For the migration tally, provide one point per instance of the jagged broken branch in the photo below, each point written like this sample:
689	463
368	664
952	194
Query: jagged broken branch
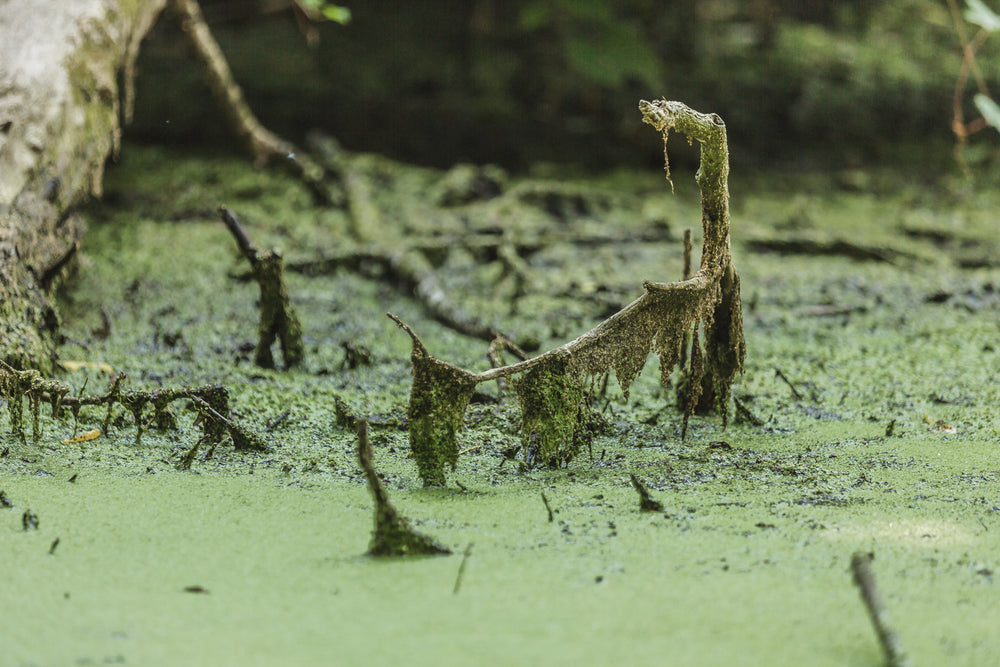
550	387
278	320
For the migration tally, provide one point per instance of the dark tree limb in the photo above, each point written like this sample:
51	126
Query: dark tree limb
263	145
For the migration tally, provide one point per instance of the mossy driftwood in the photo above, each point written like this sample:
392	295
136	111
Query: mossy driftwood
278	320
210	401
702	312
66	72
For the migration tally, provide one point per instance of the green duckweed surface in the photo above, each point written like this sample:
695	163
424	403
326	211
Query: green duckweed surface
875	380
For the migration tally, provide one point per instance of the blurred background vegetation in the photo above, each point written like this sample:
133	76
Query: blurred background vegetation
825	83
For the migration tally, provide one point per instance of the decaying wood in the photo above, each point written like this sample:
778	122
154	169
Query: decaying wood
278	320
262	144
392	535
61	62
550	386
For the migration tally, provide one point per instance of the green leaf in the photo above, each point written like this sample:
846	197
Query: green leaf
336	13
317	9
989	109
981	15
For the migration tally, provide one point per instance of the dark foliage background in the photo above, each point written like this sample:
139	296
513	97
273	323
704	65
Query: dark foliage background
436	82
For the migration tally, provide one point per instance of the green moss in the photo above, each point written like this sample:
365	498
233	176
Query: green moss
438	399
551	399
278	320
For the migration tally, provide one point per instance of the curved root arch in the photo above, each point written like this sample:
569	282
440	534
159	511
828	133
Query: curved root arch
550	386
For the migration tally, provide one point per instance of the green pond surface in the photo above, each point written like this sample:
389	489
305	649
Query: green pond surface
872	366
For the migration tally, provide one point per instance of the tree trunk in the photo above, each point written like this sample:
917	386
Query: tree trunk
66	70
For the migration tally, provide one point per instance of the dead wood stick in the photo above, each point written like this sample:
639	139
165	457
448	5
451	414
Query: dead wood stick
365	215
646	501
262	144
392	535
895	656
278	320
246	246
461	569
781	376
548	508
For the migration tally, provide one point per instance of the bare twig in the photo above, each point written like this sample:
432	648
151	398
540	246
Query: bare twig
781	376
895	656
392	535
461	569
548	508
745	412
262	144
646	502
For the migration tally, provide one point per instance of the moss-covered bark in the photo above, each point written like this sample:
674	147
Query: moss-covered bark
60	119
550	388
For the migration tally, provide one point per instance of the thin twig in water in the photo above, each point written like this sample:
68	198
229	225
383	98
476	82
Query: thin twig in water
392	535
895	656
548	507
646	502
781	376
461	569
744	411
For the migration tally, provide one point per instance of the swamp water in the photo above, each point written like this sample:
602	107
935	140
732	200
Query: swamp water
872	362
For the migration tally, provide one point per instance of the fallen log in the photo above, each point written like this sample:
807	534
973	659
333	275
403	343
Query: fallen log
66	73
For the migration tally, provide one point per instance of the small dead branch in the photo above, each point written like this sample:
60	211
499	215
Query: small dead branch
413	274
646	502
895	656
461	569
278	320
744	412
365	215
548	508
392	535
835	247
781	376
262	145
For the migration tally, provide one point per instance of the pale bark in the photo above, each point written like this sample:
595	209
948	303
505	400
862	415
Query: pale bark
66	70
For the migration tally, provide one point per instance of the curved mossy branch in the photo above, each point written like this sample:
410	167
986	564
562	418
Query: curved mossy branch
551	390
712	176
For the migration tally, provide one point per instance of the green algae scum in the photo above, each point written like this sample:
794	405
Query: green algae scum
868	424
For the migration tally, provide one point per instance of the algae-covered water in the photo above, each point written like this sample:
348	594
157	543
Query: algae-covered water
871	313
